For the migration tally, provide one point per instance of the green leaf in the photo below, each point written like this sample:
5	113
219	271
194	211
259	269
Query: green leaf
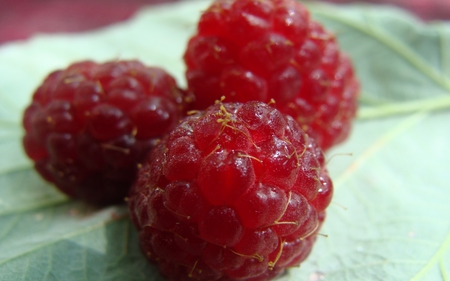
403	64
389	219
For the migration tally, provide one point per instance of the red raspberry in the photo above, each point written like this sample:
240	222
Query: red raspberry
89	126
271	49
235	192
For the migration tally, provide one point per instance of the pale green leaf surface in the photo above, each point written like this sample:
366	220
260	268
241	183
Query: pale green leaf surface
390	217
398	57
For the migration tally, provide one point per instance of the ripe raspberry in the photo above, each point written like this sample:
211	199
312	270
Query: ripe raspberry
89	126
271	49
235	192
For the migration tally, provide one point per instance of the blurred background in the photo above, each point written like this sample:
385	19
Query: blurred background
20	19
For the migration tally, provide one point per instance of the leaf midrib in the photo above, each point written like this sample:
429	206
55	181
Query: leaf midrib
411	121
397	46
69	235
378	144
398	108
437	257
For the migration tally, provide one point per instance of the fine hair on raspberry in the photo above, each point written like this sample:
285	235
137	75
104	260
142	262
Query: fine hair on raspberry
88	126
237	191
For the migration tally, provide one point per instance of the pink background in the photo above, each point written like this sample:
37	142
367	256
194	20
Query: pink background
19	19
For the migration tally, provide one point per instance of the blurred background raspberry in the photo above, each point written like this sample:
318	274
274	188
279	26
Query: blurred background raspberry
20	19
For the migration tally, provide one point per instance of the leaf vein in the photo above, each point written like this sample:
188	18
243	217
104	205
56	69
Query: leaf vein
377	263
444	274
398	47
9	124
403	239
386	110
437	257
39	205
445	54
64	237
10	227
50	264
378	144
15	169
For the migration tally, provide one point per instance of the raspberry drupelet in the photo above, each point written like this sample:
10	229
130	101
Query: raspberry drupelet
235	192
89	125
271	49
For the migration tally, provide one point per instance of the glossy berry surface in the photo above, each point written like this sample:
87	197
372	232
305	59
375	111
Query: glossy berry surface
235	192
89	125
271	49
